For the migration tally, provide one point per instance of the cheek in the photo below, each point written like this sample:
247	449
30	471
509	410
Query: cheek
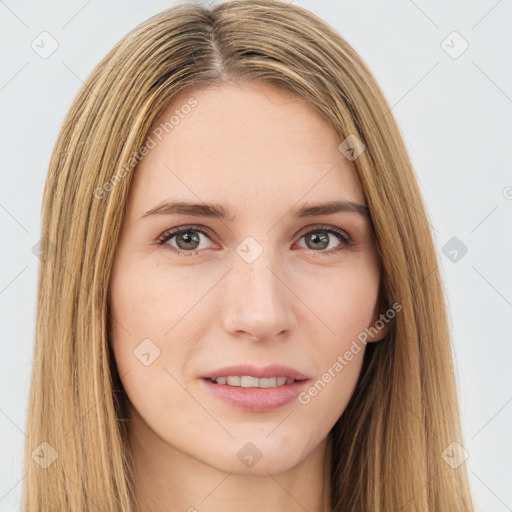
143	310
339	356
153	307
345	304
137	315
145	298
325	399
342	300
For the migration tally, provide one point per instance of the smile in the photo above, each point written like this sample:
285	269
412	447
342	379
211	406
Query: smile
247	381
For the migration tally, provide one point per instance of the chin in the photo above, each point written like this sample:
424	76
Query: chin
257	455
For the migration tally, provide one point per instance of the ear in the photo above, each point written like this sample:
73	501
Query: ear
381	323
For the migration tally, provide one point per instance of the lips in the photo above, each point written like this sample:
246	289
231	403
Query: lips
246	381
256	399
274	370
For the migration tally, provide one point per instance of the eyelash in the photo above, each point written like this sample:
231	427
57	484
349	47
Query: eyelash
342	236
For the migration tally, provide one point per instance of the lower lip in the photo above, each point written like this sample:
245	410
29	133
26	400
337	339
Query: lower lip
256	399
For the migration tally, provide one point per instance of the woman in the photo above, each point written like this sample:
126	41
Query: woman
240	305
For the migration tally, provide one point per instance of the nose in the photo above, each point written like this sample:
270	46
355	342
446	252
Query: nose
258	301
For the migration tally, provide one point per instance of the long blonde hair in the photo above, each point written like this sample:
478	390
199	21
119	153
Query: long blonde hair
387	451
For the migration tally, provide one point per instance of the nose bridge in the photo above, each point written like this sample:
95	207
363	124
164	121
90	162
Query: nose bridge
259	302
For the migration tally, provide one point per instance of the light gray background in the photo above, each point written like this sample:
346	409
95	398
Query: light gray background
455	116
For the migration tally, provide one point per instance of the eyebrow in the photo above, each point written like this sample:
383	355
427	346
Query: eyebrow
217	211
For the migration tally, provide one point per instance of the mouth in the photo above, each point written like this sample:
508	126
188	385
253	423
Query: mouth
255	390
249	381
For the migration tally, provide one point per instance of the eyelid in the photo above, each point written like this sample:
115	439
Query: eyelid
325	227
167	235
170	233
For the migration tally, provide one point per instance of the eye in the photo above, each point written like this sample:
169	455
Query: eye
318	240
186	240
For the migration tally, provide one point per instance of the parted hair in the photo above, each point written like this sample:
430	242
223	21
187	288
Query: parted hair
387	445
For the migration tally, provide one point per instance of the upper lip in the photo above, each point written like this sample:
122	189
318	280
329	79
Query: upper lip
273	370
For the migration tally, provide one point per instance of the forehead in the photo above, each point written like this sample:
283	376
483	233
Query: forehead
241	143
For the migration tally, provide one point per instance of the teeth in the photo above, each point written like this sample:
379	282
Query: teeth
234	381
268	383
247	381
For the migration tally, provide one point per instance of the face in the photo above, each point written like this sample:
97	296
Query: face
243	280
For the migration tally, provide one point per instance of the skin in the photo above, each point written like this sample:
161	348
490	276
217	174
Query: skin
260	152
